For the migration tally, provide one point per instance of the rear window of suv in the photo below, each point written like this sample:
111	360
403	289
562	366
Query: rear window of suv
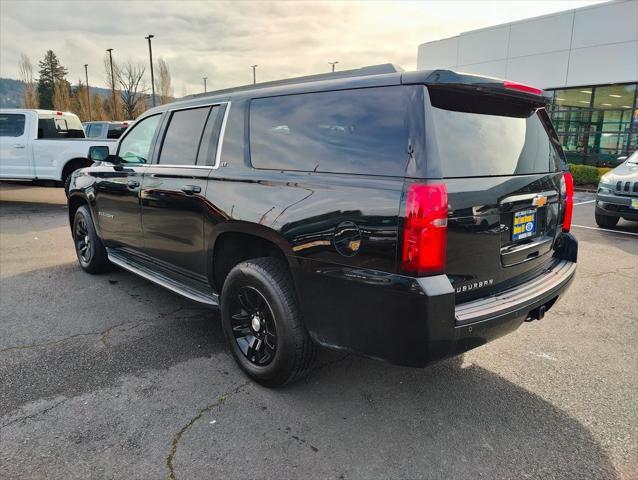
361	131
489	135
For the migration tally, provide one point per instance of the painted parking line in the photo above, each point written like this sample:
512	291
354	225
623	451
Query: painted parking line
605	230
583	203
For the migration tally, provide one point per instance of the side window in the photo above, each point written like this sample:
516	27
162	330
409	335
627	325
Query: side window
210	137
136	146
183	134
11	125
93	130
363	131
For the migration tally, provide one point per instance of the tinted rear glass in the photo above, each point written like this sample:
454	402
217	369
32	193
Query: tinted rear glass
59	127
360	131
183	134
116	131
491	135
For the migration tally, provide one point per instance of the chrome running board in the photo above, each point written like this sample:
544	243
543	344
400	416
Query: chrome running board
138	268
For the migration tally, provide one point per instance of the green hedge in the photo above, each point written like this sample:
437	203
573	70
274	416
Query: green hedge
586	174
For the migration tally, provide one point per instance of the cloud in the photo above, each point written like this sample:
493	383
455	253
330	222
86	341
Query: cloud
221	40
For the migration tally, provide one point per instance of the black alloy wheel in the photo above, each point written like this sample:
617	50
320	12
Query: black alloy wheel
83	240
253	326
262	324
90	250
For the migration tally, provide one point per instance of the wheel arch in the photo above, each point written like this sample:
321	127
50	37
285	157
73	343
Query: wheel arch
239	241
75	201
74	164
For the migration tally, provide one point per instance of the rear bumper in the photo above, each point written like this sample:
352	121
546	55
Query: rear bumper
414	322
482	320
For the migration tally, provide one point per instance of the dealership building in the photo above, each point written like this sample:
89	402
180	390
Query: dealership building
586	59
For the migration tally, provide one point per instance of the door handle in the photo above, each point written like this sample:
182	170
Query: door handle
132	184
19	146
191	189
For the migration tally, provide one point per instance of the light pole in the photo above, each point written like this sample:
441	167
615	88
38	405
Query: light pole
254	67
88	92
150	55
110	50
333	65
205	78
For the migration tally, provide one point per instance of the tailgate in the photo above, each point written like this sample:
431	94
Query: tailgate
502	165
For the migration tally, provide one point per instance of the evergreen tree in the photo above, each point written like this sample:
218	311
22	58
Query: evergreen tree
51	72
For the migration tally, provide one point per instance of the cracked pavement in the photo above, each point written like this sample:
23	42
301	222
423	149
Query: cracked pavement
112	377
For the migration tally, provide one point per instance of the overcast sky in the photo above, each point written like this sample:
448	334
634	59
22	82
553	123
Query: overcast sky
221	40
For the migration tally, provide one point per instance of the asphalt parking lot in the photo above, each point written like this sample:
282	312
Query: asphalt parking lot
113	377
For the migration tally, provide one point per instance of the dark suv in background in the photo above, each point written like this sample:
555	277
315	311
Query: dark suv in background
402	216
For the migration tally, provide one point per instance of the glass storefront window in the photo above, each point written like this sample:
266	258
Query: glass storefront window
614	96
572	97
596	124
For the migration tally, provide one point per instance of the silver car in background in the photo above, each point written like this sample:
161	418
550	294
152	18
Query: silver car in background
617	194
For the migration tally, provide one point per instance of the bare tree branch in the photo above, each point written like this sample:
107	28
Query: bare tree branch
25	69
79	101
133	89
61	97
163	86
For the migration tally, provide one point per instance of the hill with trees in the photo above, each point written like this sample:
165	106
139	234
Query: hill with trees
52	90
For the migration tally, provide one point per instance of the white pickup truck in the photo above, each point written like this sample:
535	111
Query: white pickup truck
43	145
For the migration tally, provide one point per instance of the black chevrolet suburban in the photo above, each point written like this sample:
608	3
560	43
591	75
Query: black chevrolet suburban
402	216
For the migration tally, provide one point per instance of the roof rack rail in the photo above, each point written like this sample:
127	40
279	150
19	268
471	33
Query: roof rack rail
357	72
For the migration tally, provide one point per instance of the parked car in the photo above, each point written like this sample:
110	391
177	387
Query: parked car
110	129
617	194
42	145
406	217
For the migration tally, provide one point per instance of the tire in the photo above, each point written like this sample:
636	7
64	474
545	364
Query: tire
93	259
606	221
67	184
262	325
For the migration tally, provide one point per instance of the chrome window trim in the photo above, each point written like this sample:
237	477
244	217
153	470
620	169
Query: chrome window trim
220	140
158	165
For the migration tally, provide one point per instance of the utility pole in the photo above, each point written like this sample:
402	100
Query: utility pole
110	50
150	54
205	78
88	92
333	65
254	67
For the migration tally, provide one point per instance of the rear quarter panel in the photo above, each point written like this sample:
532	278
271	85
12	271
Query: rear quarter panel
339	232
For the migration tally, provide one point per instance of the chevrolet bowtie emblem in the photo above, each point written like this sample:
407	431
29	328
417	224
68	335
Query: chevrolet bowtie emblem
539	201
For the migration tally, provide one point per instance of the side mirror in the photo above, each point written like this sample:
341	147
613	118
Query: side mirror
623	158
99	153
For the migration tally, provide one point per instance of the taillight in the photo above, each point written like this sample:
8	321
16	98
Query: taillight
567	191
521	87
425	229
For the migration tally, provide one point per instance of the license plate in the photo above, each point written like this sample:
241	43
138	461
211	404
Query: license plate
524	225
634	203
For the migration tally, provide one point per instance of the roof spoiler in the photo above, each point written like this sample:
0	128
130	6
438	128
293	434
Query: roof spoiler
479	83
